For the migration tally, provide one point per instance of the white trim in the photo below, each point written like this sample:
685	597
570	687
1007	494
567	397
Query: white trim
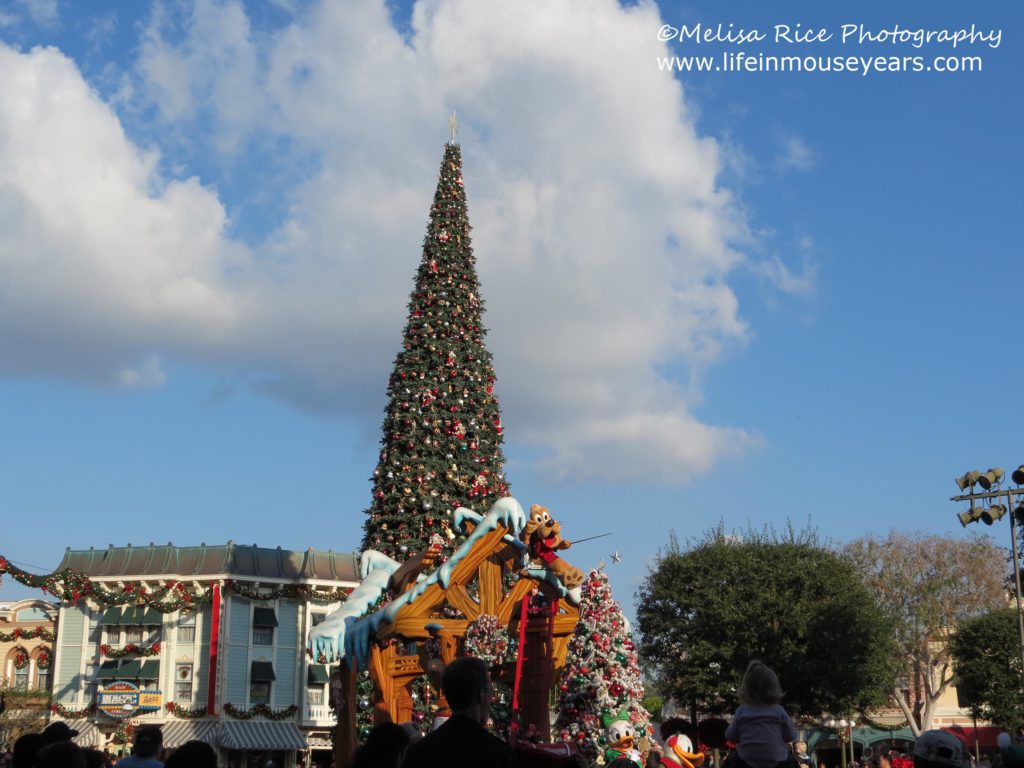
212	577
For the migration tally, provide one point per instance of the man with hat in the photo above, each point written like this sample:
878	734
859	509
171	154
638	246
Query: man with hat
938	749
58	731
146	749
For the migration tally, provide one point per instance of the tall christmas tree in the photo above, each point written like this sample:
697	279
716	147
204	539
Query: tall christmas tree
601	678
442	433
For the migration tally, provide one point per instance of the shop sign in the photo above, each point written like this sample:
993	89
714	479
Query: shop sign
123	699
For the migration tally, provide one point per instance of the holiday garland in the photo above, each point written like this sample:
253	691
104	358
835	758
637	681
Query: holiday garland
73	586
131	648
260	709
28	634
72	714
883	726
488	641
185	713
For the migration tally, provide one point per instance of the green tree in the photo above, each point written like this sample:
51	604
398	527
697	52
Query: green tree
442	433
927	585
987	665
706	609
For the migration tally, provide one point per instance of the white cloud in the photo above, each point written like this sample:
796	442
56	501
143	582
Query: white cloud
602	233
796	155
781	277
41	11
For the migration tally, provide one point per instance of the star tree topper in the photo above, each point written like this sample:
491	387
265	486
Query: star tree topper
453	123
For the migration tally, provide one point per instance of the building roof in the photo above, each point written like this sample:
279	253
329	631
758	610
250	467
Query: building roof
230	560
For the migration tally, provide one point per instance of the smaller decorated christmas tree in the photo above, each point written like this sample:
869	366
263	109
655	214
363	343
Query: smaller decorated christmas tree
601	684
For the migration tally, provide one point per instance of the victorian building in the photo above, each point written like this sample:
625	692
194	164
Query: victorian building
208	642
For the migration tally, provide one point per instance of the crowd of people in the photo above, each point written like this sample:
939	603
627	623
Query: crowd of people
54	748
761	730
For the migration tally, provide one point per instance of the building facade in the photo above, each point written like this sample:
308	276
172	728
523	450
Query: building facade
208	642
27	632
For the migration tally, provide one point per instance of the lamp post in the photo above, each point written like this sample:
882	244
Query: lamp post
838	727
989	510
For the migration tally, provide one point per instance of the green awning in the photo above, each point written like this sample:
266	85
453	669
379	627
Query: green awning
318	674
111	617
151	617
262	672
150	670
108	671
129	670
264	617
132	615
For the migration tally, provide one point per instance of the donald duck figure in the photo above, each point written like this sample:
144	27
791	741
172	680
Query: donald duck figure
679	753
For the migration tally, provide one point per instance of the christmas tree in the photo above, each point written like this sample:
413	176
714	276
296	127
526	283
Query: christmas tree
442	434
601	677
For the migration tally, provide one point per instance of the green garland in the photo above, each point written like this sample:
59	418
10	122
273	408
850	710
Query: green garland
131	648
883	726
28	634
72	714
124	733
185	713
73	586
260	709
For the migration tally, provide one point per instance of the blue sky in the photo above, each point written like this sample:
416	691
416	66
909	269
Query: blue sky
741	296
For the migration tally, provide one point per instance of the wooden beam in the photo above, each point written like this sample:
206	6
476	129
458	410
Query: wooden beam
467	567
423	605
510	603
490	586
459	597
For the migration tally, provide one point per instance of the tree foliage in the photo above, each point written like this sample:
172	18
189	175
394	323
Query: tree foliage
987	664
927	585
706	609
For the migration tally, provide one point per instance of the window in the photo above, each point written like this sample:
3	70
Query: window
315	696
112	635
21	678
187	628
42	679
262	635
261	675
133	635
183	683
259	693
263	622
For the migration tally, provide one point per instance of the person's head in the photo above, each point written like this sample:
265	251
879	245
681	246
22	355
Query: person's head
193	754
148	741
760	685
881	760
938	749
384	748
23	755
60	754
467	686
800	747
58	731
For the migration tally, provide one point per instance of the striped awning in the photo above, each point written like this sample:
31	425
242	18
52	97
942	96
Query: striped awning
261	734
178	732
88	734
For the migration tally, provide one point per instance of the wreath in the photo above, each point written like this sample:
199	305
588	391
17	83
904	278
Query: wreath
43	660
488	640
20	659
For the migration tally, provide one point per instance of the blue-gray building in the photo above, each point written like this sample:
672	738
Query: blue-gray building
227	665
